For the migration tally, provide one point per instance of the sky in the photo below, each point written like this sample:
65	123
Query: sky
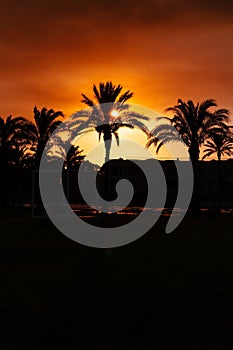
51	51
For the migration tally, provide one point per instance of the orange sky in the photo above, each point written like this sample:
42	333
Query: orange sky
162	50
51	51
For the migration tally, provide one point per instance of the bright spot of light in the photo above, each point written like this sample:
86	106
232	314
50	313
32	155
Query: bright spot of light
114	113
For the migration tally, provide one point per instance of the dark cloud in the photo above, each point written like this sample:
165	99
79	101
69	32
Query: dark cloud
39	12
50	47
25	24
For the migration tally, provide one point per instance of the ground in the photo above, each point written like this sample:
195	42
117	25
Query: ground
162	291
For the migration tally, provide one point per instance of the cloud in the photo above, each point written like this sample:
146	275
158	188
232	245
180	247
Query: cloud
52	50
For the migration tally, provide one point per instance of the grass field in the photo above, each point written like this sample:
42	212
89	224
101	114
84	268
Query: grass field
161	292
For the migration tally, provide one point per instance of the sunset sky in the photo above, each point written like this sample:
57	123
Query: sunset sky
53	50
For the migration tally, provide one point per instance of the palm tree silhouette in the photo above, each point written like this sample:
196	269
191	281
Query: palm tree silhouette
46	121
14	136
193	124
13	140
190	124
70	159
107	101
220	143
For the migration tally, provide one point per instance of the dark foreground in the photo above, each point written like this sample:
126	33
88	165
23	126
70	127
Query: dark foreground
160	292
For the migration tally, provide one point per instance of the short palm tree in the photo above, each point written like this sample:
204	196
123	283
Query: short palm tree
108	113
70	159
219	143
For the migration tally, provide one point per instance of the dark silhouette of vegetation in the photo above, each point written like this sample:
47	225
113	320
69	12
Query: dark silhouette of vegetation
46	121
192	125
22	142
220	142
101	118
70	159
14	136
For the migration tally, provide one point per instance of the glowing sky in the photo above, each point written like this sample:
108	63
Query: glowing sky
51	51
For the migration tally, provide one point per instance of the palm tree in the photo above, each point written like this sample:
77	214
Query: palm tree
70	159
46	121
190	124
109	112
193	124
13	140
220	143
13	133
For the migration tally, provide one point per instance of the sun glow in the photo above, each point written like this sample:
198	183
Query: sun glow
114	113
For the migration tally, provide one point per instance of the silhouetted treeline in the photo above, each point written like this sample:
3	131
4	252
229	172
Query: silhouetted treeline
23	142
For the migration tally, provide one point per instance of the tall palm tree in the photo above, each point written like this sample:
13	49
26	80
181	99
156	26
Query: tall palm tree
190	124
46	121
220	143
109	112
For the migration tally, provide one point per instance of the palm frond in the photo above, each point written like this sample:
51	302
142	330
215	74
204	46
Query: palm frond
87	101
117	138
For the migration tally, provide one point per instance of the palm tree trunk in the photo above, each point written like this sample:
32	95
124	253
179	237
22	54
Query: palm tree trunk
37	196
108	144
194	157
219	177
